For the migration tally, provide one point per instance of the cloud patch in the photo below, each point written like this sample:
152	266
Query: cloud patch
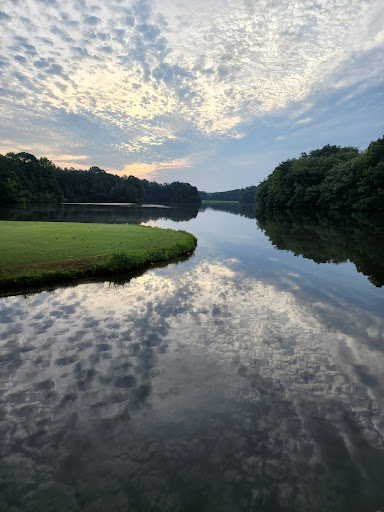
144	170
91	20
4	16
158	77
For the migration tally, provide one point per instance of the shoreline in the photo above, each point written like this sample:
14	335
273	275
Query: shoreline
123	260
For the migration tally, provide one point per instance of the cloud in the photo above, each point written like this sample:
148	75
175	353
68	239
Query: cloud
20	59
56	69
150	32
225	124
74	161
304	121
145	170
139	71
48	2
24	80
139	170
91	20
71	157
180	162
42	63
4	16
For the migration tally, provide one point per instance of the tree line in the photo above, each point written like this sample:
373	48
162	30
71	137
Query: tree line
27	179
243	195
334	178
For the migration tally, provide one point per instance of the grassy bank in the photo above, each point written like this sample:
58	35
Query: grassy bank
34	253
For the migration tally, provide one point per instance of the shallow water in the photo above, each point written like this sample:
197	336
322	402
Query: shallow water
245	378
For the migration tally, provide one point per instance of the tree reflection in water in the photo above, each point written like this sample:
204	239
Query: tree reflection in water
331	237
118	213
235	381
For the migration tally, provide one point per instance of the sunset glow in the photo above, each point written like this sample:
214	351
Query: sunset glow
236	86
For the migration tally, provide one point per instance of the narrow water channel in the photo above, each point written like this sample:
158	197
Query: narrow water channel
247	378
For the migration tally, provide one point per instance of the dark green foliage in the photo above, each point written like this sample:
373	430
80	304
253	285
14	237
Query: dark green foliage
333	237
121	261
183	193
229	195
99	186
332	178
357	183
38	278
175	192
247	194
243	195
26	179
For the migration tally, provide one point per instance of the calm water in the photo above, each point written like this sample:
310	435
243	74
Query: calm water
247	378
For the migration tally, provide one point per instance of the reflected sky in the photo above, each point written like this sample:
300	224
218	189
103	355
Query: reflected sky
242	379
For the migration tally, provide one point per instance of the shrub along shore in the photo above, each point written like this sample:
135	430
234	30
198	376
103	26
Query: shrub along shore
37	253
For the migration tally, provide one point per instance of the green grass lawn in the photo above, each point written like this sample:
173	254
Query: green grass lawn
35	247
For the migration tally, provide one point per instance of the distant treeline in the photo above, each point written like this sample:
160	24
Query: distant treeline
333	178
27	179
244	195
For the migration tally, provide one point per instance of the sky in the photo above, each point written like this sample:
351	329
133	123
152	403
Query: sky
215	93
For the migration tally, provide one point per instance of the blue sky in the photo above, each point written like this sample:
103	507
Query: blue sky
214	93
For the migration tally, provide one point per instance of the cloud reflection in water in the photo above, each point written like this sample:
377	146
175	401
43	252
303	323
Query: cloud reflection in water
203	387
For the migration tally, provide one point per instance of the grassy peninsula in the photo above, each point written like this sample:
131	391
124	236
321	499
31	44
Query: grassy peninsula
36	253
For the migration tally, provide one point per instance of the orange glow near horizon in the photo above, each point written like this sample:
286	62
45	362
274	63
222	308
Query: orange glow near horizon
145	170
139	170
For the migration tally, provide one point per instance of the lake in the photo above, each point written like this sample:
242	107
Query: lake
248	377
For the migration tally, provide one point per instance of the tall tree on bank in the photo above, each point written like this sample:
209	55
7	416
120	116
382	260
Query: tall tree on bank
25	179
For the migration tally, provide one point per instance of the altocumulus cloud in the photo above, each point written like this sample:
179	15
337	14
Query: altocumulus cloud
163	80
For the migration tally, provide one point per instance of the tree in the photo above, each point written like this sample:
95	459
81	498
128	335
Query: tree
330	178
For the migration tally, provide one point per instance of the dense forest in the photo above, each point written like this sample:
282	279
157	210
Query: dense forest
228	195
329	178
27	179
243	195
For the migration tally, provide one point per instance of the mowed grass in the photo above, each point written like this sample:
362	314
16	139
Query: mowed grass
34	247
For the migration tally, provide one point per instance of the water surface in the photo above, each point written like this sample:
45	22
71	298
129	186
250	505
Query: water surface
249	377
